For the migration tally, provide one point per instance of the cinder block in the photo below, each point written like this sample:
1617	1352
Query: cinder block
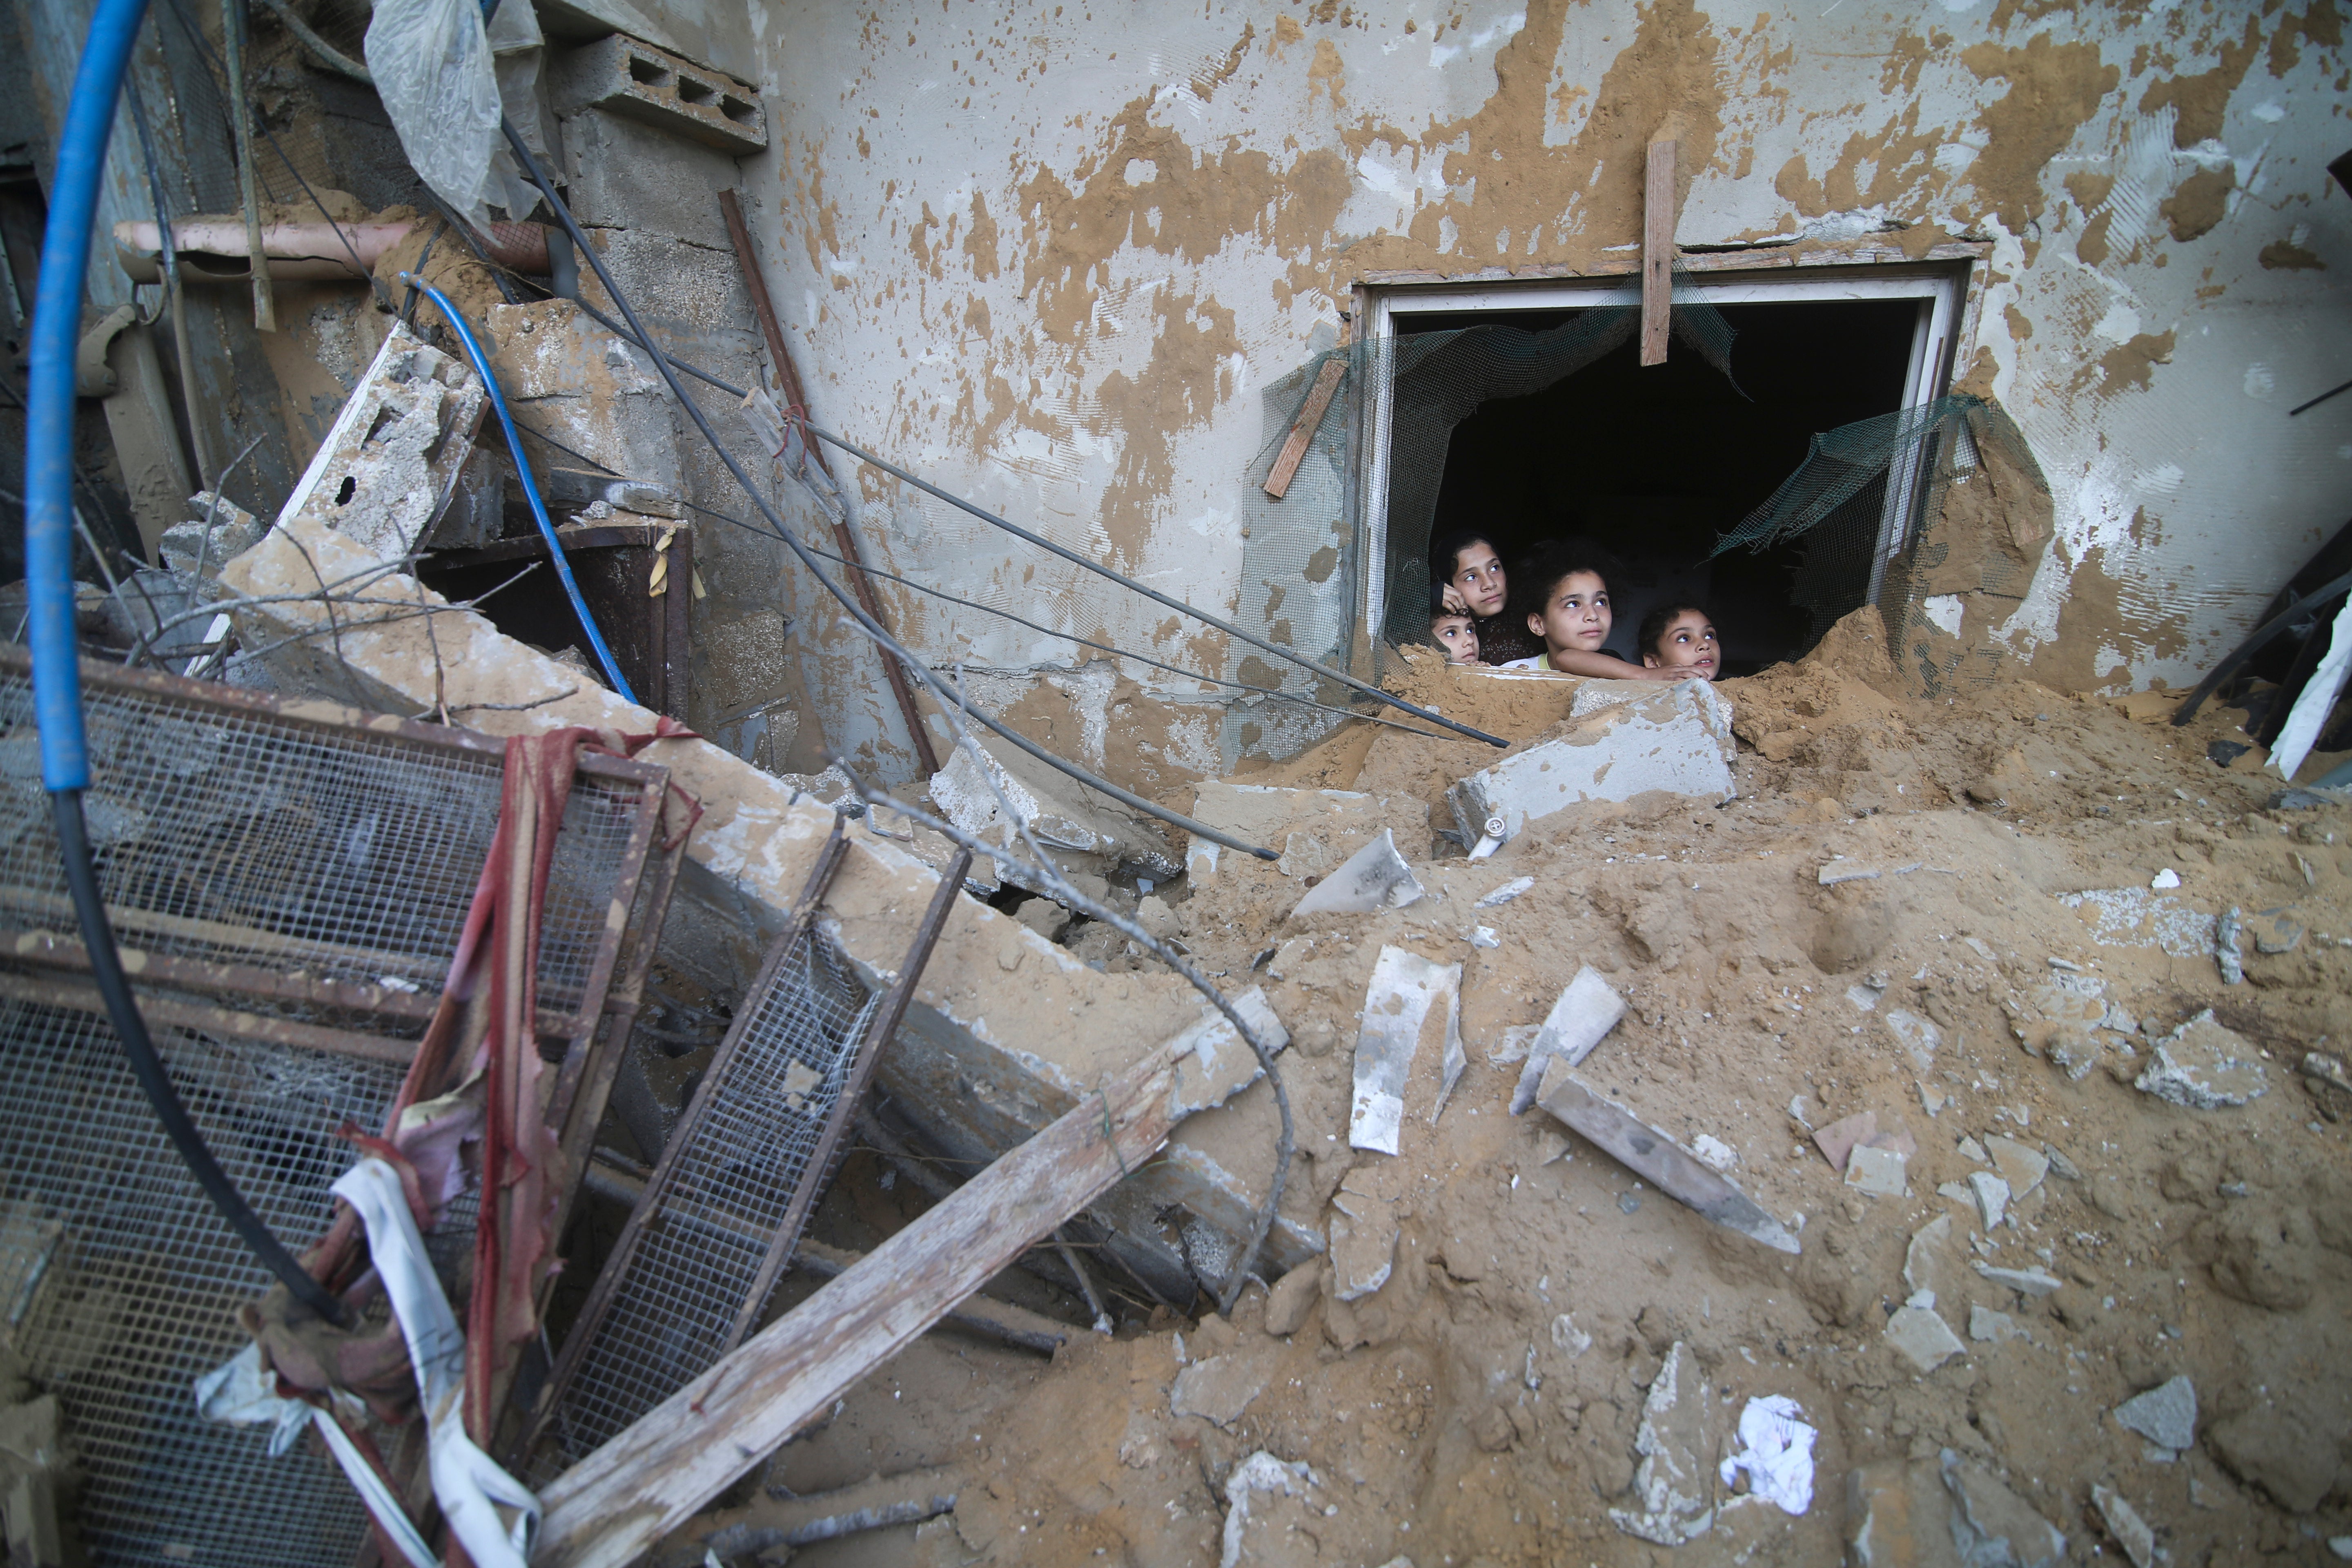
652	85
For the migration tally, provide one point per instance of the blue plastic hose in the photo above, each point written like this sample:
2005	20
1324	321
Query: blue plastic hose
49	395
529	485
48	577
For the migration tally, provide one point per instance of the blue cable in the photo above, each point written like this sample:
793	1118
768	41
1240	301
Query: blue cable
529	485
49	395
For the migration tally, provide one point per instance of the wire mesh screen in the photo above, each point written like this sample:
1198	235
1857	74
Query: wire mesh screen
231	834
731	1184
123	1281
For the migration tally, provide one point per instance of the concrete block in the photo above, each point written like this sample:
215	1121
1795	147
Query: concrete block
1582	1015
1313	829
641	82
1079	828
629	175
393	455
2205	1065
578	383
1678	740
233	530
1407	996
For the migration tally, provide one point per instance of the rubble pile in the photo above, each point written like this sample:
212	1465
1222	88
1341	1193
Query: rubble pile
1938	989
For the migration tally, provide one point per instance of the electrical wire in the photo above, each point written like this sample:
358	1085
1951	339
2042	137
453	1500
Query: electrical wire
529	485
49	560
873	628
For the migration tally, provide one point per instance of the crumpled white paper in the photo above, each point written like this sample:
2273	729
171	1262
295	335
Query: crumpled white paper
1776	1449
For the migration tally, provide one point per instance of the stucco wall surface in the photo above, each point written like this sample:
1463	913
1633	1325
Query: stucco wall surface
1050	254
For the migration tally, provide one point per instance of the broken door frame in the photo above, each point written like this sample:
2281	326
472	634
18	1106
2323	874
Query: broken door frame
1945	327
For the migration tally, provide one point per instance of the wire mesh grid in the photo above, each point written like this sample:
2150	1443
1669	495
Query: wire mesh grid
123	1281
233	835
730	1187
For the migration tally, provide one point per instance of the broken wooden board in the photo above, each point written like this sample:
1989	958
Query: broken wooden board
1658	253
1651	1154
611	1507
1302	431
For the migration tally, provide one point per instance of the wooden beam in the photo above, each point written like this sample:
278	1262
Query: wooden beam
613	1506
1302	429
1657	253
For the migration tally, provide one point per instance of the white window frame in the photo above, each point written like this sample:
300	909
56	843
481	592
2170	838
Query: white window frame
1940	289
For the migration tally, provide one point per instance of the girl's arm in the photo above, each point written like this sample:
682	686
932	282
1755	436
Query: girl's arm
1606	667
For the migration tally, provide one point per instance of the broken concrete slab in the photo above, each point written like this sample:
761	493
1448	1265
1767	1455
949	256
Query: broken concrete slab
1217	1389
1214	1063
1838	1141
2164	1415
1580	1019
1921	1337
2019	1164
1881	1173
1313	829
392	459
1917	1035
1678	740
1671	1489
219	531
571	381
2204	1066
1926	1262
1406	995
1374	878
1362	1234
1078	829
1991	1196
2024	1281
1274	1513
1898	1515
1991	1525
1650	1154
2124	1526
2140	917
1988	1327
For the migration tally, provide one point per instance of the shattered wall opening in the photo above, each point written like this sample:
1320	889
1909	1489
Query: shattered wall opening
1652	463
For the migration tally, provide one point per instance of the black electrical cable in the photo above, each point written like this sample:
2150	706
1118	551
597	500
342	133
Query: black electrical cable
147	1066
890	644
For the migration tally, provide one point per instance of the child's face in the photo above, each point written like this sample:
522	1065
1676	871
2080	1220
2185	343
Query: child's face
1478	577
1575	618
1458	636
1687	643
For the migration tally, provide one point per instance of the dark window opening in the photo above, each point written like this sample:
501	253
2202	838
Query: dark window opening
1654	464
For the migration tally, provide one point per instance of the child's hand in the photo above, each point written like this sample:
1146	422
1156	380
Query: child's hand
1453	603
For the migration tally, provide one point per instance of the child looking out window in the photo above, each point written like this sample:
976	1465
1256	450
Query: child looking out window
1472	581
1681	639
1570	612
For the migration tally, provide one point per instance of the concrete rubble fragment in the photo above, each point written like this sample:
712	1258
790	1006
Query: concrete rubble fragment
1991	1195
1988	1327
1268	1503
2124	1526
1925	1259
1079	829
1214	1063
217	530
1406	994
1580	1019
2229	945
1374	878
1916	1035
1670	1482
1991	1525
2205	1065
2164	1415
1363	1235
1678	740
570	380
1217	1388
2024	1281
1313	829
389	462
2137	916
1507	892
1293	1297
2020	1165
1898	1515
1650	1154
1920	1336
1878	1171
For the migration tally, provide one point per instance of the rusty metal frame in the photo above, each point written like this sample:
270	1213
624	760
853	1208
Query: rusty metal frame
403	1013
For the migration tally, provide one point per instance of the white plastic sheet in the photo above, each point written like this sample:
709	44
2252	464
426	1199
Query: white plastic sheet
434	71
470	1486
2318	699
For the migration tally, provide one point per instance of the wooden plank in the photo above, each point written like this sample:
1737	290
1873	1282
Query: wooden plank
613	1506
1658	253
1302	430
1650	1154
1780	255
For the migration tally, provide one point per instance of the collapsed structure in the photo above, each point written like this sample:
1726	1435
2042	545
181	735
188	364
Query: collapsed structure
748	909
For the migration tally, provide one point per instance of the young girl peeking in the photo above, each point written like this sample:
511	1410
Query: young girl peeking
1681	639
1475	584
1456	637
1571	614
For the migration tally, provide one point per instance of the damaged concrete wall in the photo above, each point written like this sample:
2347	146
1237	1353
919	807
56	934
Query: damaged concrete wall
1051	256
